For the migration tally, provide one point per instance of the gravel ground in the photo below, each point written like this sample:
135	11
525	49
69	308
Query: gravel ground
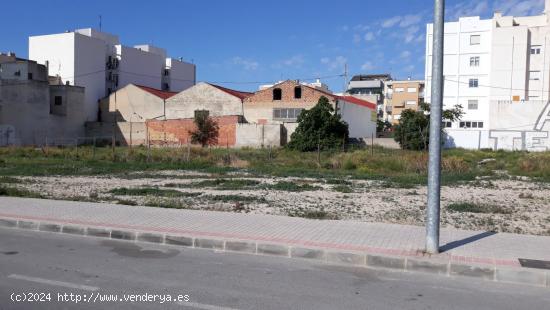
512	205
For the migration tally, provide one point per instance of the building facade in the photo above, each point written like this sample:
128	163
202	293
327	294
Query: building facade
33	112
400	96
97	61
283	103
488	64
370	88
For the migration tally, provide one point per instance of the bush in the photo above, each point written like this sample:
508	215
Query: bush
207	130
319	127
413	130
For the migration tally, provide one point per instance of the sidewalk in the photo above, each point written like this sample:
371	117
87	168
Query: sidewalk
488	255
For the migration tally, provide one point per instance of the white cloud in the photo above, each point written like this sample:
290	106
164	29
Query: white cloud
367	66
356	38
405	54
402	21
296	60
468	8
369	36
411	34
409	20
247	64
361	27
519	8
334	63
390	22
409	69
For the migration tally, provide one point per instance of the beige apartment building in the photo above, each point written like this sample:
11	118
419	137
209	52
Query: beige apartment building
401	95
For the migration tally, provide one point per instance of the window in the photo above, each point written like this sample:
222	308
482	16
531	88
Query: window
29	76
166	72
286	114
474	61
471	125
447	124
411	90
473	83
475	39
399	90
535	50
297	92
58	100
410	102
202	113
277	94
472	104
534	75
165	86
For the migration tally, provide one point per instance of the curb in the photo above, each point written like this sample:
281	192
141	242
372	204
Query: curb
438	266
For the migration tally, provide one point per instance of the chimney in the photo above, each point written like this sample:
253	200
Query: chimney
498	14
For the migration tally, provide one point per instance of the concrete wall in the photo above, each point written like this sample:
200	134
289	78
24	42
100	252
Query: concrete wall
77	59
182	74
26	114
202	96
514	126
177	131
130	103
71	123
125	133
139	67
256	135
361	120
26	110
89	71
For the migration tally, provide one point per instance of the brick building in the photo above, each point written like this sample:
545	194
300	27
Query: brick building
283	102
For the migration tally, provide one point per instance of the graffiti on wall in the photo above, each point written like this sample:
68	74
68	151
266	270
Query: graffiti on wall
7	135
537	139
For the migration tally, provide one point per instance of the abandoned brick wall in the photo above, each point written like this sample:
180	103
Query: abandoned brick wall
258	108
309	95
171	132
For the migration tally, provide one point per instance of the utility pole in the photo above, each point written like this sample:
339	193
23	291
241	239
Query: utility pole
434	163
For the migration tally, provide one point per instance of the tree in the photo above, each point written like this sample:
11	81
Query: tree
319	127
413	130
206	132
382	126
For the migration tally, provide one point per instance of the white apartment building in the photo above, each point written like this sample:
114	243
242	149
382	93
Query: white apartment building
490	65
100	63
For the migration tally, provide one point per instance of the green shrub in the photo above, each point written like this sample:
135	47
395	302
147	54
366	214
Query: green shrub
319	127
478	208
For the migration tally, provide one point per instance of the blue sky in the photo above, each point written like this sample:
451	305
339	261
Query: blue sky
251	41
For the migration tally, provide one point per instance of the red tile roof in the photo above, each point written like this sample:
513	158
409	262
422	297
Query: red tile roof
358	101
239	94
157	92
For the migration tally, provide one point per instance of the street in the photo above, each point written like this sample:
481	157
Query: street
59	265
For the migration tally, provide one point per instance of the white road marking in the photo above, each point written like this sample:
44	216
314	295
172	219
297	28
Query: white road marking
54	282
203	306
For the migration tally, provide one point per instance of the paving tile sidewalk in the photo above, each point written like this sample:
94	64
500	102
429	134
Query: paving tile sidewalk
499	249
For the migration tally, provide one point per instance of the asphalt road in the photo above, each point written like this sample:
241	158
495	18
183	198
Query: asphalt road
34	265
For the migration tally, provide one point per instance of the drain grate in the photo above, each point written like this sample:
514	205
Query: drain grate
531	263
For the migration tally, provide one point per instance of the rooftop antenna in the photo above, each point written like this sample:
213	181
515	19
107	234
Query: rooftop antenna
345	77
100	22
